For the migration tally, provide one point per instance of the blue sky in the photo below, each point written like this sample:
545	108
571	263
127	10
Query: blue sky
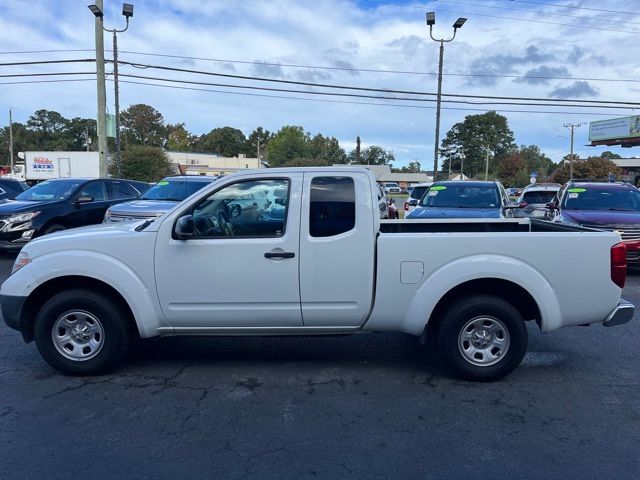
499	38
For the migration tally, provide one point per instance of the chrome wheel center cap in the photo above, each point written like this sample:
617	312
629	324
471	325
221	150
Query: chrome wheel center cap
481	338
81	332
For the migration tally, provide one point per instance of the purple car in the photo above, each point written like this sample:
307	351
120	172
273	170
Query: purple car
606	206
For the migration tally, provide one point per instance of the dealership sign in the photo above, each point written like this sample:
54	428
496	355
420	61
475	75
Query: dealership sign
614	129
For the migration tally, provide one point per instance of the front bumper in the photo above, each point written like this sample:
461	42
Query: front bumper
623	313
13	314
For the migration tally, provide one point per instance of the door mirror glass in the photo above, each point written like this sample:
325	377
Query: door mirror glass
184	227
552	206
84	199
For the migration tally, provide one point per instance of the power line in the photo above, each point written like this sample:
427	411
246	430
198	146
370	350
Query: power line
370	89
355	95
548	4
45	74
581	17
365	103
49	81
519	19
62	50
346	69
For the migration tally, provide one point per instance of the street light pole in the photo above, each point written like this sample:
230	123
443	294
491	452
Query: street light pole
431	21
127	12
101	125
10	141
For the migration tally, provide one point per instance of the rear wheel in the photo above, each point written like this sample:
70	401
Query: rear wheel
482	338
82	332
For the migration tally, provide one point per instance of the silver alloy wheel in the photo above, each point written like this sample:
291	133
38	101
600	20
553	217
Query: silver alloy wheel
483	341
78	335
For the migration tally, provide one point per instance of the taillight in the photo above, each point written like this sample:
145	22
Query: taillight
619	264
406	206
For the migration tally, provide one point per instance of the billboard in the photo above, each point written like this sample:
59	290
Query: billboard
614	129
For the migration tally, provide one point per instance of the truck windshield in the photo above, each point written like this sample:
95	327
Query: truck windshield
616	199
50	191
173	190
461	196
538	197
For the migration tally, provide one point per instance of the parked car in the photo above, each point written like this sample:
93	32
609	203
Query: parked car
534	199
160	198
514	192
58	204
383	202
464	199
602	205
9	188
392	187
416	194
203	270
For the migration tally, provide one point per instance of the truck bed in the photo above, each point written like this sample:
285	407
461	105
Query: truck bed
450	225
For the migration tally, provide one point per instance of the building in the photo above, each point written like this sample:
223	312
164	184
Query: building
383	173
190	163
630	168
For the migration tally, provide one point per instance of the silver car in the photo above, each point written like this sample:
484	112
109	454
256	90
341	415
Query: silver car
160	198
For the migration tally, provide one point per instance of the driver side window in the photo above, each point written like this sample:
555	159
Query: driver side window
256	208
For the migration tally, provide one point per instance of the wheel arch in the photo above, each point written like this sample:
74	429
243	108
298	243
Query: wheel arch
39	296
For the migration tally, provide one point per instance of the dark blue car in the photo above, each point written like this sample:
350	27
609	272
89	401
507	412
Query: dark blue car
463	199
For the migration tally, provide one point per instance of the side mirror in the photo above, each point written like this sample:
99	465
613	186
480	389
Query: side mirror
184	227
552	206
522	205
84	199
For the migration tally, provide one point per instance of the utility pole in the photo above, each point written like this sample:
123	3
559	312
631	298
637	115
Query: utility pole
358	150
431	21
572	127
486	166
102	93
86	137
127	12
462	166
259	161
11	140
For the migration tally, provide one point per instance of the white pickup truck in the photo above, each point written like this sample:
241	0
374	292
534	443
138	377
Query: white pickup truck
311	257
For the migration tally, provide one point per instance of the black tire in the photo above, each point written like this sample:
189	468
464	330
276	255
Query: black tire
113	340
499	361
54	228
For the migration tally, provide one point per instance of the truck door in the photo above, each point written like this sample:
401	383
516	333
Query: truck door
240	268
337	249
64	165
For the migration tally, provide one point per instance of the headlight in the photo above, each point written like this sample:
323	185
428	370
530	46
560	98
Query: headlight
22	260
107	217
21	217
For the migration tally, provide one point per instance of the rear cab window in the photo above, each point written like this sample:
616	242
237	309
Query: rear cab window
332	209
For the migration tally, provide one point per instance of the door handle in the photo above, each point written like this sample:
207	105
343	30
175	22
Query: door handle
279	255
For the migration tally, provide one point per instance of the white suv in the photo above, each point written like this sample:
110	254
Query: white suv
417	192
534	198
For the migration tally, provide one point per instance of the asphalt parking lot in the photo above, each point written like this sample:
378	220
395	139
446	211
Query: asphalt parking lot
369	406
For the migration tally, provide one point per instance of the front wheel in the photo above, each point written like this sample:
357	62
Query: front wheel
482	338
82	332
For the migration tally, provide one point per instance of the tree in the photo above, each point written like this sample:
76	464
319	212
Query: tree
49	130
592	167
251	145
609	155
307	162
290	142
328	149
475	137
178	138
142	125
536	161
225	141
78	128
512	170
373	155
143	163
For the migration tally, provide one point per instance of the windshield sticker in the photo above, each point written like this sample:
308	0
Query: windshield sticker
432	193
573	195
164	182
437	187
577	190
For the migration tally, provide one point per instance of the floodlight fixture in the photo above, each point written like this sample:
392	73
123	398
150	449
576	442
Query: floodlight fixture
127	10
95	10
459	23
431	18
